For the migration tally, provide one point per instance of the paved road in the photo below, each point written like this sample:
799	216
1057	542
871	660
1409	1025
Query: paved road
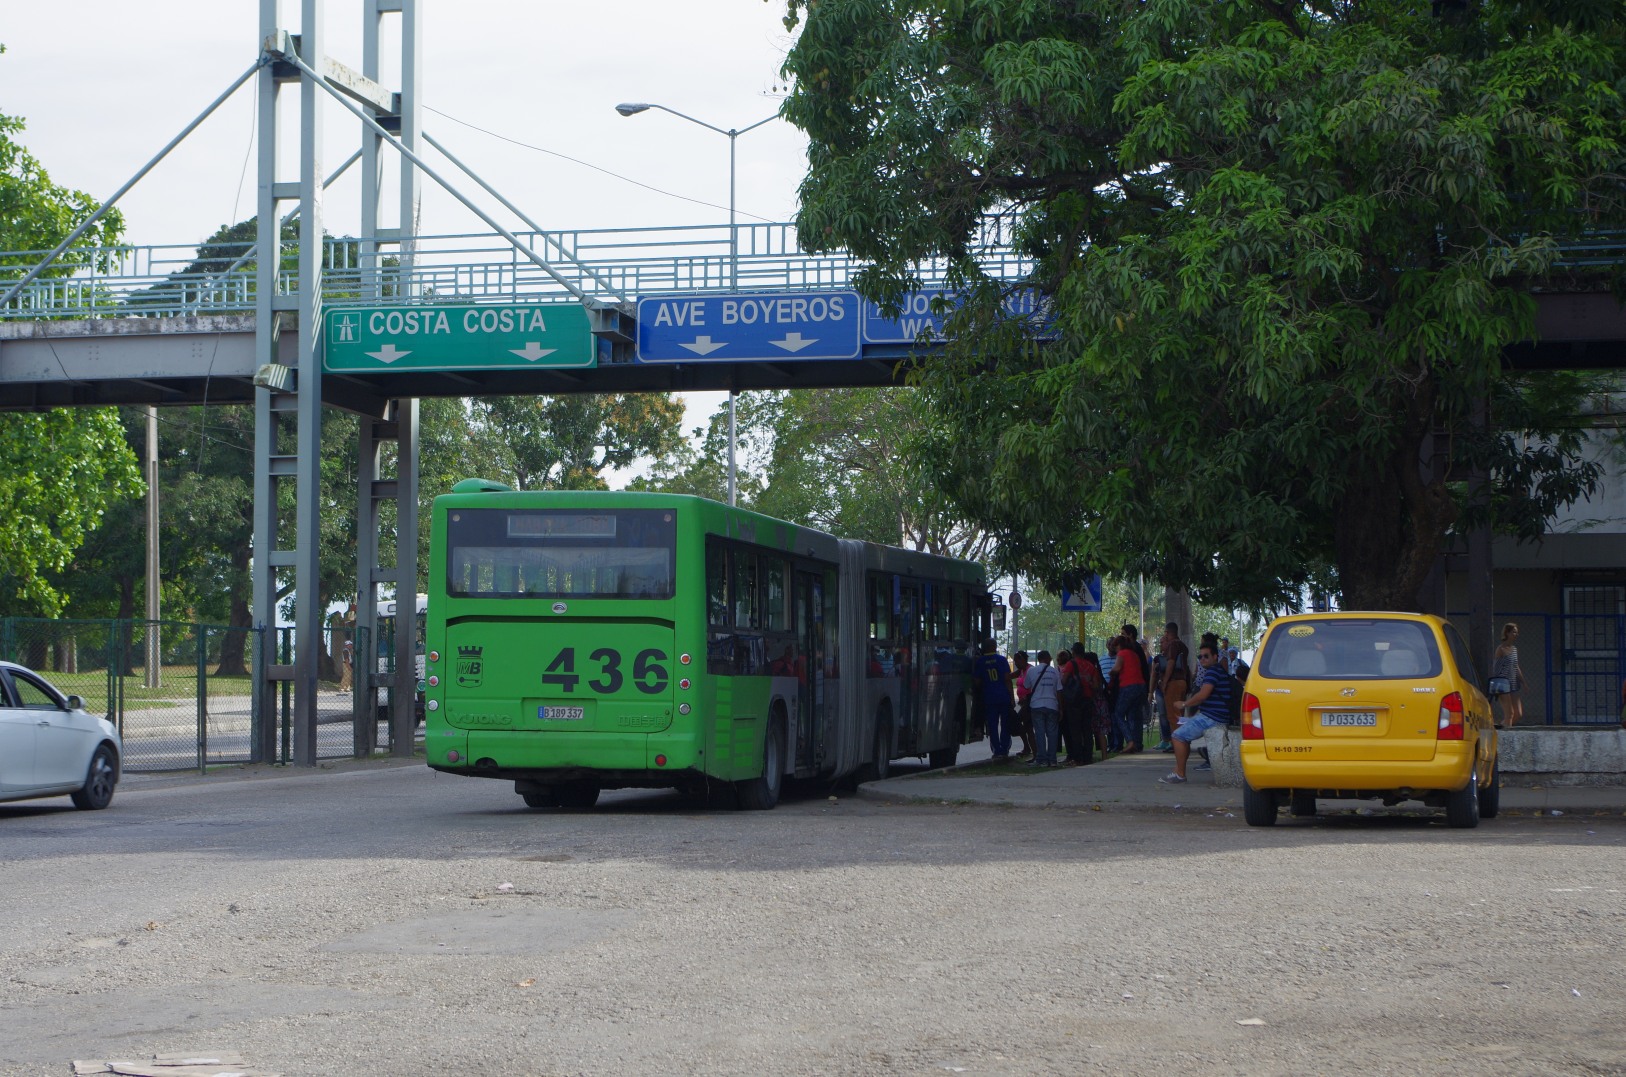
356	920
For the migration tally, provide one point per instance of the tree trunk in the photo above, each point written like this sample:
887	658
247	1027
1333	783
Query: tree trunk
1392	522
234	647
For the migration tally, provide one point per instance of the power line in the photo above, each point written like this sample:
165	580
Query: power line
596	168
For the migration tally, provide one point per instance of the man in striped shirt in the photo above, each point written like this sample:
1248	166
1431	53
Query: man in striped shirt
1212	700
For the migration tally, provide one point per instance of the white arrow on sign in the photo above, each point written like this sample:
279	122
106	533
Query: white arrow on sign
388	354
793	342
703	345
532	351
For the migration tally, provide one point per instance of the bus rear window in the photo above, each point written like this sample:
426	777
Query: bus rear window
560	553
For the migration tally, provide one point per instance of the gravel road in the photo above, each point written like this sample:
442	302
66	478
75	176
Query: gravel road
389	920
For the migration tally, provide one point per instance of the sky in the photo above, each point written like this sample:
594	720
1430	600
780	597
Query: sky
104	85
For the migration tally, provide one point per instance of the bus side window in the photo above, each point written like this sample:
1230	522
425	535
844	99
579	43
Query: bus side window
778	612
880	609
746	606
716	583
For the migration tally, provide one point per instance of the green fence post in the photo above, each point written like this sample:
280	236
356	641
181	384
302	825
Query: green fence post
115	671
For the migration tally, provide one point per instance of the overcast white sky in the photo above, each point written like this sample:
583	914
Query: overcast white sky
104	84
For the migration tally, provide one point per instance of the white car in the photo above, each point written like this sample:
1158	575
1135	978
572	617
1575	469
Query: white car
50	745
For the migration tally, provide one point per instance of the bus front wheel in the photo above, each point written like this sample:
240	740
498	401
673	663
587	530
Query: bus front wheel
882	768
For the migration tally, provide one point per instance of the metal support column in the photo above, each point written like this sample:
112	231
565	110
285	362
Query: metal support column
263	588
307	483
372	434
404	697
403	716
402	426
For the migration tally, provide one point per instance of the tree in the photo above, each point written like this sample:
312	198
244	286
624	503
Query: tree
703	471
1283	246
839	460
567	442
59	470
842	460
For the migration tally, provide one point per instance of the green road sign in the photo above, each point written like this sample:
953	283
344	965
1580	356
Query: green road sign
468	336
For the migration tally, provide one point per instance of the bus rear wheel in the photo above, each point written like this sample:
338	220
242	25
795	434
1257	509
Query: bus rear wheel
545	798
762	792
576	795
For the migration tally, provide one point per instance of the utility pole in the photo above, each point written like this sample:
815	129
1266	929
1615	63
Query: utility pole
154	675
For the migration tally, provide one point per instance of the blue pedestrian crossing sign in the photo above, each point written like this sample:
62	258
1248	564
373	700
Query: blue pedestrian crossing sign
1086	601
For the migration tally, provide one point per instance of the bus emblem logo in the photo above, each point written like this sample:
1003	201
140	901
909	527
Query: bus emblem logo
559	607
470	666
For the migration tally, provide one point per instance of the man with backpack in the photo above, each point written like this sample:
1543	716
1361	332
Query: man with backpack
1213	700
1043	683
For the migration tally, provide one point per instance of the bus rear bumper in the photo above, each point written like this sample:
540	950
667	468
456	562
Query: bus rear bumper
608	760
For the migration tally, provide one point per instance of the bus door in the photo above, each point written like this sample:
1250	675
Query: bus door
810	708
910	667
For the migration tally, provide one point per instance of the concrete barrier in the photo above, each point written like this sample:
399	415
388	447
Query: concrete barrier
1225	753
1539	755
1563	755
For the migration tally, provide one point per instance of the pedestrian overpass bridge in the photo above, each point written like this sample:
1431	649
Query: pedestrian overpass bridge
152	327
168	325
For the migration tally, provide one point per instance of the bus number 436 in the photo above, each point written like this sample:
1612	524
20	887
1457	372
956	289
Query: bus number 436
648	671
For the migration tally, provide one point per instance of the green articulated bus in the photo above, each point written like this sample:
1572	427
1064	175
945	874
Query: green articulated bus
581	641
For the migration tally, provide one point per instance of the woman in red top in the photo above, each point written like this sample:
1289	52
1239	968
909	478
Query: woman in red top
1131	671
1022	724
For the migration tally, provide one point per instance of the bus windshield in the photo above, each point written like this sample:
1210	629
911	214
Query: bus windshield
558	553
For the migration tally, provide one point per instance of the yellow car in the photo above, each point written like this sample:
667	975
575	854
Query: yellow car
1378	706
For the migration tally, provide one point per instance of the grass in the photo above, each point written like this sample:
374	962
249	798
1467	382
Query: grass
178	685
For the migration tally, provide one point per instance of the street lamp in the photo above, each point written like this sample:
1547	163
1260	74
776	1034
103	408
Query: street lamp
632	108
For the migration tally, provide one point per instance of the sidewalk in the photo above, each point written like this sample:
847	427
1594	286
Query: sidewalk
1130	783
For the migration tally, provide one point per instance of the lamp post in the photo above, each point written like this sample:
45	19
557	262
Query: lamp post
632	108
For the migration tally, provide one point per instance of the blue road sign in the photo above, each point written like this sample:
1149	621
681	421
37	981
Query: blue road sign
754	327
919	313
915	316
1088	602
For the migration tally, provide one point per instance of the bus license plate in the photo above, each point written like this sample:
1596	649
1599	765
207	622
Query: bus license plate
1350	718
561	714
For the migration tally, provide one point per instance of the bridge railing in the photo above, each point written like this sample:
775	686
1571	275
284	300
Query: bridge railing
606	264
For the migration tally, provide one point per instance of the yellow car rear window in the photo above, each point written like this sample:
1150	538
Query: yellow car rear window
1351	648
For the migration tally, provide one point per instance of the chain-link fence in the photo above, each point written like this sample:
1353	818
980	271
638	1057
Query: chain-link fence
183	695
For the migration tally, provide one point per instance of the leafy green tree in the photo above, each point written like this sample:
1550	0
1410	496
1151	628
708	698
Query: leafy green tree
843	460
567	442
60	471
840	460
703	471
1283	246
